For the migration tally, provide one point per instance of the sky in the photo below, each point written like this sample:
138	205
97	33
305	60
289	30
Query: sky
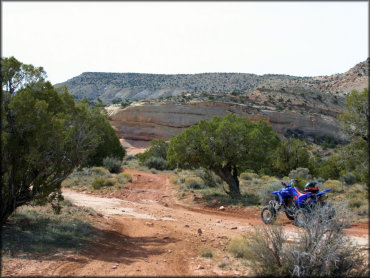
295	38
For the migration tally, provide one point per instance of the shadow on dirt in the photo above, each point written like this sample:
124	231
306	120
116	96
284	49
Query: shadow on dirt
217	199
47	239
115	247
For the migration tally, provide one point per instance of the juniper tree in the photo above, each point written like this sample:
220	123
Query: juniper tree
226	145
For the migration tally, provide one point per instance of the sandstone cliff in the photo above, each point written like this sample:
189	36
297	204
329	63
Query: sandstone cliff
150	121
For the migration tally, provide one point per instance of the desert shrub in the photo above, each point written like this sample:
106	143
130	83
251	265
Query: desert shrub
98	183
291	154
32	230
357	188
158	148
112	164
208	177
248	176
321	249
124	177
238	246
156	162
356	203
250	199
265	177
265	193
207	255
194	183
86	171
335	186
181	179
110	182
66	203
130	157
173	180
245	176
206	251
300	174
101	171
349	178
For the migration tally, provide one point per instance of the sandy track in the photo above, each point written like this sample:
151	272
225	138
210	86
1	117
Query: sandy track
146	231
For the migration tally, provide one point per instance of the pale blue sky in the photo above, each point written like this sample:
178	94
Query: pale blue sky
303	39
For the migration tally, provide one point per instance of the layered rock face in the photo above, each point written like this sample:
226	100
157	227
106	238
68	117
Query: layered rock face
150	121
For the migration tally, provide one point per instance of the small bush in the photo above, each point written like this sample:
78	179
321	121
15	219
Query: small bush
34	230
321	249
349	178
112	164
182	179
110	182
98	183
124	177
265	178
130	157
238	246
156	163
194	183
66	203
173	179
300	174
101	171
265	194
248	176
208	178
206	251
357	188
335	186
207	255
355	203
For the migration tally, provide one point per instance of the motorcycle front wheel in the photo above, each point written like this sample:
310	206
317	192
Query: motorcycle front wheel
289	215
268	214
300	218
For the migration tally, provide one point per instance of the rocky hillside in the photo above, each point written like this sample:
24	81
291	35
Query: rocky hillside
164	105
108	87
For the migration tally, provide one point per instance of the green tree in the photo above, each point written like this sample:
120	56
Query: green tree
355	121
331	168
156	155
291	154
355	124
109	145
158	148
226	146
45	136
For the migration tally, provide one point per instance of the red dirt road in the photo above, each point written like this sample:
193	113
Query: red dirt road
146	231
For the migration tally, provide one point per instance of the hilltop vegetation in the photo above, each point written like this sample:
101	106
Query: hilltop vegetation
108	87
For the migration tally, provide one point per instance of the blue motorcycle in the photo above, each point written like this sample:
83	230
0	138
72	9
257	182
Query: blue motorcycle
293	202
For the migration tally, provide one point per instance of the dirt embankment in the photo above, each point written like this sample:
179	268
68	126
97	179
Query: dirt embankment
146	231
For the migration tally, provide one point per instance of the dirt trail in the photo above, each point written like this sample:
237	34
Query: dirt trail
148	232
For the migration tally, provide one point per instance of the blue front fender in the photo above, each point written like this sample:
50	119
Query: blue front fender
301	199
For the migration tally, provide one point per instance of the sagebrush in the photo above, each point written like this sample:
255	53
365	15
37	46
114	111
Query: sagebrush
320	249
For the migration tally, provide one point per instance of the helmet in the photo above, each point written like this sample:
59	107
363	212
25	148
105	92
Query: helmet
310	185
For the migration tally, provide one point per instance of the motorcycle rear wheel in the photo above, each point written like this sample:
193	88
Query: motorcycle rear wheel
268	215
